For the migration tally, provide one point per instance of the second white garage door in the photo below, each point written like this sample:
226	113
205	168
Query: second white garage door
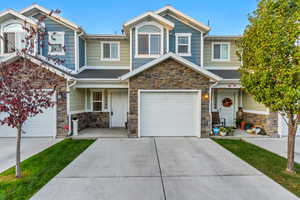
169	113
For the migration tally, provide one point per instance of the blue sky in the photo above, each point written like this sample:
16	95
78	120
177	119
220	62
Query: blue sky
227	17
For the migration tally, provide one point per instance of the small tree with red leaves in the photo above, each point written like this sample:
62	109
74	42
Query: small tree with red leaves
25	91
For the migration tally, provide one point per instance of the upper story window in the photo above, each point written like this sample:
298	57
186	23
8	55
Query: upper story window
221	51
56	43
149	40
183	44
14	38
110	51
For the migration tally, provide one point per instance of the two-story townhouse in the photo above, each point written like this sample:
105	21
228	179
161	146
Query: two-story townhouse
164	76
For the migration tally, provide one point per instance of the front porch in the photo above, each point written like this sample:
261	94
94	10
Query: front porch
226	101
100	112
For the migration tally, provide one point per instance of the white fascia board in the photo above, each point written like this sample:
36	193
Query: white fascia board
13	57
178	59
18	15
116	80
102	67
54	16
152	14
222	67
177	12
230	81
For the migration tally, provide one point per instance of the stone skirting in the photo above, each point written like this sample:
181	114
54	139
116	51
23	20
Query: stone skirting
92	120
268	122
168	75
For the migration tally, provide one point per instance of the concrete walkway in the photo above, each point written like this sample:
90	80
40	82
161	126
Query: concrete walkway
276	145
29	147
94	133
160	169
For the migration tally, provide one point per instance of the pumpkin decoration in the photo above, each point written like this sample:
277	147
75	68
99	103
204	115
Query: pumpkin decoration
227	102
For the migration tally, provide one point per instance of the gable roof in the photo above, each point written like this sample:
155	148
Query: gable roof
53	16
41	62
184	17
177	58
17	15
155	16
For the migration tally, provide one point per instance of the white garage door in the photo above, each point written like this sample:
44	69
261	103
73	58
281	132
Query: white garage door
283	127
42	125
169	113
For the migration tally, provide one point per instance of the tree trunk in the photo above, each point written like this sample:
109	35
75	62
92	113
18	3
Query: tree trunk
292	129
18	152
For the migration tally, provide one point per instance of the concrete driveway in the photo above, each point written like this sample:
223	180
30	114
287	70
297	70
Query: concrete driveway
276	145
29	147
160	169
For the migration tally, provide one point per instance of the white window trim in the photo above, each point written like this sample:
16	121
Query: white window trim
212	52
2	31
63	44
189	35
92	101
110	59
137	55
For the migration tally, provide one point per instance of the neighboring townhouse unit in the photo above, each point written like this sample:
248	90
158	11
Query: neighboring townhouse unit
163	76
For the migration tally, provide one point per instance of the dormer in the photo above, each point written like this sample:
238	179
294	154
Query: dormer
148	35
12	31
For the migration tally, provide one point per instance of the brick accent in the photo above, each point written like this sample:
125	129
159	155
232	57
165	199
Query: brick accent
168	75
61	105
268	122
92	120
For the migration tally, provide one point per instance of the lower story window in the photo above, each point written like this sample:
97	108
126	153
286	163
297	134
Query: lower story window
97	101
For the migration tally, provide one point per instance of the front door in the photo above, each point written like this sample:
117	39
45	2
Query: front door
226	106
119	107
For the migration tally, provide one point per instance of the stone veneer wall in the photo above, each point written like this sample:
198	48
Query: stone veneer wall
168	75
268	122
61	97
92	120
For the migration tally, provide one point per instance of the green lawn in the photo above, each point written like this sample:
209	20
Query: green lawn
39	169
268	163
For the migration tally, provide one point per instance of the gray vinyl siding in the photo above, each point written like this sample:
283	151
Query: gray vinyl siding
81	52
69	57
195	39
77	99
94	53
137	62
234	59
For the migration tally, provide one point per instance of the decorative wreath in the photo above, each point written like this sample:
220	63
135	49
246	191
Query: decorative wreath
227	102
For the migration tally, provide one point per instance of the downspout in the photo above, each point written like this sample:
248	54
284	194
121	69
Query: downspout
210	102
68	105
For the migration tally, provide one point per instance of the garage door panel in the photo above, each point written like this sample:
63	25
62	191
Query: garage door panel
168	113
41	125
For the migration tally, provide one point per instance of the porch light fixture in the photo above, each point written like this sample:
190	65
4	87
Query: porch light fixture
206	96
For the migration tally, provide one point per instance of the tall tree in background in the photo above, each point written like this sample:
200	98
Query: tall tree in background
22	88
270	52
